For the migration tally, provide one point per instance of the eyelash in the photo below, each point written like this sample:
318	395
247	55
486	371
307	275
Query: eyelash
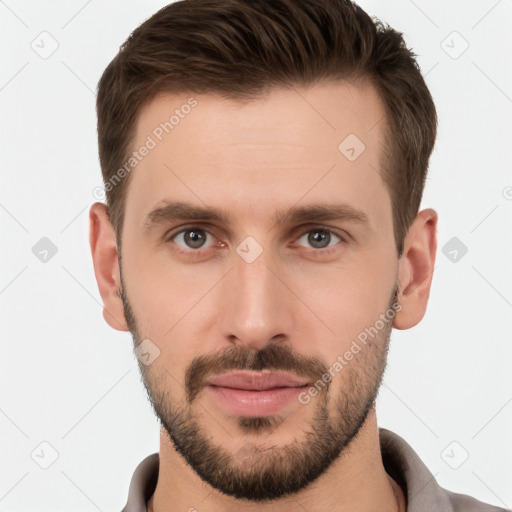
199	252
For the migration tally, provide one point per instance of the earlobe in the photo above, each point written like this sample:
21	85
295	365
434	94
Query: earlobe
103	244
416	267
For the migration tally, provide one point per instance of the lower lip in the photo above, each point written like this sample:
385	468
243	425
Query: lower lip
241	402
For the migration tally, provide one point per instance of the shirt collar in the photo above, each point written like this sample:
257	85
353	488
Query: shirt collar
403	464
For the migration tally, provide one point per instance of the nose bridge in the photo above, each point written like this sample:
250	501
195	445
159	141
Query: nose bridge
257	310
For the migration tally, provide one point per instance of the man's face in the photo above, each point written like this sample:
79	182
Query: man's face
256	290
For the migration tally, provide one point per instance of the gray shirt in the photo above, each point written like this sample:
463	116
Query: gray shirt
401	462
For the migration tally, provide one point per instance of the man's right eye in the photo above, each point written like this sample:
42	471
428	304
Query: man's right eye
192	238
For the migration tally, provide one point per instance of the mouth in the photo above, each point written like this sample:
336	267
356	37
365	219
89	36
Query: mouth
251	394
257	381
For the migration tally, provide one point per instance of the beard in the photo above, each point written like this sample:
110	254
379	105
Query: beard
263	473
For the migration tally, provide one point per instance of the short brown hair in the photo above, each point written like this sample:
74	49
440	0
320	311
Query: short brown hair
240	49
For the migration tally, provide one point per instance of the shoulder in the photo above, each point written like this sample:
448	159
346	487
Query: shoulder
423	492
465	503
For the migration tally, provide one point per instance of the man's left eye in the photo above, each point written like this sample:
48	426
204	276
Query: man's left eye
320	238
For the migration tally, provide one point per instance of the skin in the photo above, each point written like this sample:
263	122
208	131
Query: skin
252	159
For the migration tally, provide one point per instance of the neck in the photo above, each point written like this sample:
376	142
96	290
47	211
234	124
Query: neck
357	480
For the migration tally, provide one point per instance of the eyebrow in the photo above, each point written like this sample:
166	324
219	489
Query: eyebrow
169	211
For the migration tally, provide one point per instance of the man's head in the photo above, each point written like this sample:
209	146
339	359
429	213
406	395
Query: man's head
278	155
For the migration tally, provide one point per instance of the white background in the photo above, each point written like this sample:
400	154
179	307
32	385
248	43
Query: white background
69	380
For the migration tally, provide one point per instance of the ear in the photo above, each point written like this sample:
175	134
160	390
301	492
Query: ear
103	243
415	269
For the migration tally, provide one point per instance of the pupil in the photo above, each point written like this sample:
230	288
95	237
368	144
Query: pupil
319	237
195	239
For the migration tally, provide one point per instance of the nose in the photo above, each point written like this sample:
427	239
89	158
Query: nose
257	307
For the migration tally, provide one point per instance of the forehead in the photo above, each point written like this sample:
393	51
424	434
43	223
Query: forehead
324	112
322	142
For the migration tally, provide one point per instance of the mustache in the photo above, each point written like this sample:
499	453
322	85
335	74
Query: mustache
272	357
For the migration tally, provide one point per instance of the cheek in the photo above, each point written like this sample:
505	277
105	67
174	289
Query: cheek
169	301
162	291
349	298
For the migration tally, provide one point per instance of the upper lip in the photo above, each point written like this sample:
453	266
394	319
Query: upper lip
257	381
